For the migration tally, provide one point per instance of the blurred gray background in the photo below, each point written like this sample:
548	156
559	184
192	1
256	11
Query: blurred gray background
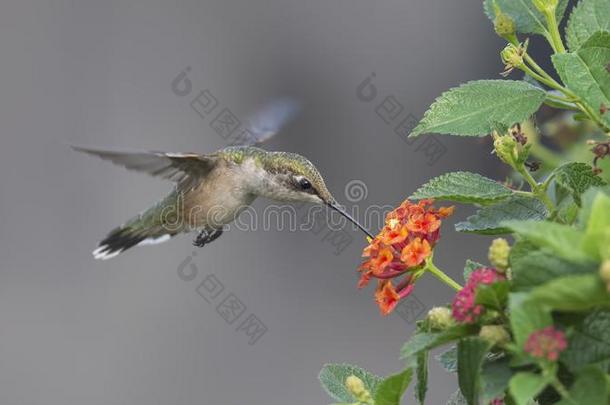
130	330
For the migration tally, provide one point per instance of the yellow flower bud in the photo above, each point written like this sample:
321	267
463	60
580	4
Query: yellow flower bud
498	254
440	318
504	25
510	150
505	147
354	385
494	334
512	56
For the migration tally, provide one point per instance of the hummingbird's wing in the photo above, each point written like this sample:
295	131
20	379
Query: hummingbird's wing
183	168
269	120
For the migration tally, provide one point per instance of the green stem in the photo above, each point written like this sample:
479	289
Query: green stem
559	104
542	76
561	98
538	190
548	81
524	193
528	177
563	391
547	181
555	37
438	273
536	66
592	116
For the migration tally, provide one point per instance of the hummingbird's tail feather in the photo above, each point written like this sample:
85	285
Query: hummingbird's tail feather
121	239
148	228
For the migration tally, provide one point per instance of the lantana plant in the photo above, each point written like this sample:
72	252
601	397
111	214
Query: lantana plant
531	326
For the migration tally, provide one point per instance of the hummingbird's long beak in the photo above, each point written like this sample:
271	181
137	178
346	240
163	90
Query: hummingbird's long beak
334	205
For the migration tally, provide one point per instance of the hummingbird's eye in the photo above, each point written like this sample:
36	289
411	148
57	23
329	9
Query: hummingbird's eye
304	184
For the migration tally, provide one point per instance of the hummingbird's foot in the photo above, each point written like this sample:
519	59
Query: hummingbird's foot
206	236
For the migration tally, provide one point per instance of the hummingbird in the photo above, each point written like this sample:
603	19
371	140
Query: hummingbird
211	190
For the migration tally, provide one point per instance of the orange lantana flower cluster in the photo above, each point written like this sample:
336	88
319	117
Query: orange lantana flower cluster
401	248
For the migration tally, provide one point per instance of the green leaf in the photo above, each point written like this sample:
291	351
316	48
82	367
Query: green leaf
488	219
391	389
495	377
584	72
589	342
470	267
524	386
528	19
526	317
493	296
587	17
422	376
577	177
590	387
597	233
464	187
448	359
572	293
333	376
475	108
587	203
562	240
567	210
430	340
456	399
471	352
532	266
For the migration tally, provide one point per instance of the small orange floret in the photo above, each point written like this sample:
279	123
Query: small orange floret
392	222
372	249
386	296
444	212
381	260
364	278
415	252
396	216
424	223
416	210
393	235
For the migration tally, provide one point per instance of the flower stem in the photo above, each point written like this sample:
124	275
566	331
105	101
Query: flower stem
543	77
555	37
539	78
537	190
558	104
562	99
559	387
438	273
528	177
